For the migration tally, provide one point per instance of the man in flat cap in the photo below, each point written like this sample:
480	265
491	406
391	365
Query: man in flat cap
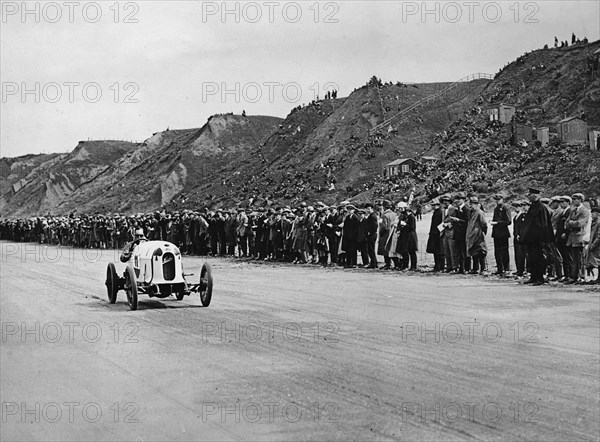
576	226
536	233
500	222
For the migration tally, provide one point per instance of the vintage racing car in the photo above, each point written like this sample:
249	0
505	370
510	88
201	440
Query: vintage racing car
154	268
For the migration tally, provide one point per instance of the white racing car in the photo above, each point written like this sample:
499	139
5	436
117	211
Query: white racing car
154	268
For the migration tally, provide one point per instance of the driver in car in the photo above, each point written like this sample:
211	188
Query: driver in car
139	237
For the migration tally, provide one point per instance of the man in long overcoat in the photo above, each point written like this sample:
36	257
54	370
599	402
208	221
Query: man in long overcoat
536	232
434	242
476	230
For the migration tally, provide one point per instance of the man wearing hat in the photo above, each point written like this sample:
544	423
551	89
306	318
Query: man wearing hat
555	266
562	235
371	228
576	226
476	230
434	242
350	236
447	233
459	223
520	247
388	219
536	233
241	230
500	222
593	251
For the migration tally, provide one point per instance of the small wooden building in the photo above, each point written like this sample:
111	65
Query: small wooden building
594	136
542	134
400	166
502	113
572	130
520	132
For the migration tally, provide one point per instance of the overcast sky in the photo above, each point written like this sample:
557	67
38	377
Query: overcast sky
123	70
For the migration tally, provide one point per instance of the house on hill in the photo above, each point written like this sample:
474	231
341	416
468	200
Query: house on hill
501	112
399	166
572	130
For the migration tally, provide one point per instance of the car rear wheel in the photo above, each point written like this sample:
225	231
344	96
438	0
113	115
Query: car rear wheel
206	284
131	289
112	283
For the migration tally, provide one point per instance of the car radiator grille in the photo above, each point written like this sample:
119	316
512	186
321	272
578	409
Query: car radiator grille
168	264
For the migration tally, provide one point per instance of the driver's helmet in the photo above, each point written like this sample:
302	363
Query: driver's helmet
139	234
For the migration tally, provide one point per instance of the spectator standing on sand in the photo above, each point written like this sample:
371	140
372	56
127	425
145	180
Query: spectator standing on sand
408	241
536	233
500	222
388	218
562	235
576	226
475	236
520	248
460	232
434	242
372	225
419	212
592	256
241	225
350	234
555	269
447	234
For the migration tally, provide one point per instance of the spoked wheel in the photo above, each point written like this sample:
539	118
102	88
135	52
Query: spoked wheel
206	284
112	283
131	289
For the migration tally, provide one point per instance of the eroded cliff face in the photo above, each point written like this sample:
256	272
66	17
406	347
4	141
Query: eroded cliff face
173	184
48	184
